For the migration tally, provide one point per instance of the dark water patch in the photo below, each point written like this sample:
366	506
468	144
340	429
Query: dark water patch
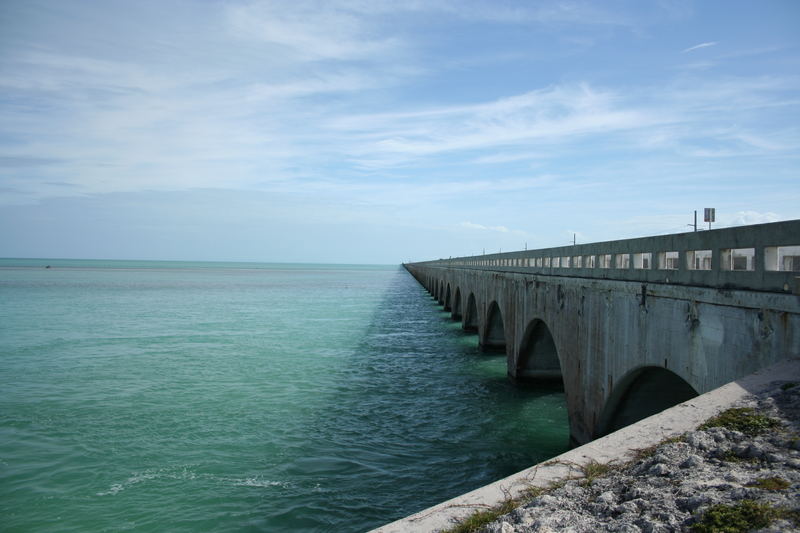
425	416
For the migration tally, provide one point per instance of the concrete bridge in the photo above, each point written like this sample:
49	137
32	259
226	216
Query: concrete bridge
631	327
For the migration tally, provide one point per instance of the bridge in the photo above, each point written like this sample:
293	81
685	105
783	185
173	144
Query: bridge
634	326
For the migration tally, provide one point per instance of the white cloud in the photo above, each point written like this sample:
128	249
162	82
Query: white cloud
701	45
311	30
744	218
552	115
497	231
288	102
508	157
576	12
470	225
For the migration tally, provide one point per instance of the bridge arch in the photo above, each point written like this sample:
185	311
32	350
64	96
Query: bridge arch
494	335
471	314
643	392
440	291
447	298
456	305
538	358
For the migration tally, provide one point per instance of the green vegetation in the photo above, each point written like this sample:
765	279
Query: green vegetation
744	516
744	419
731	457
741	517
534	492
673	440
789	385
645	453
479	519
593	470
770	483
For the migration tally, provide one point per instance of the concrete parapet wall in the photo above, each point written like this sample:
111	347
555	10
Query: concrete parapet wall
764	272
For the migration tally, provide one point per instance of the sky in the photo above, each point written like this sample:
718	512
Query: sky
372	131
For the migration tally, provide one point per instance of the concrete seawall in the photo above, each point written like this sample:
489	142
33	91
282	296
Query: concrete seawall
618	447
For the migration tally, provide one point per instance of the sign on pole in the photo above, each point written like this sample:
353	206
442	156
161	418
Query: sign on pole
709	214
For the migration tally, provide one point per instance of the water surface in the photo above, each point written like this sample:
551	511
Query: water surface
175	396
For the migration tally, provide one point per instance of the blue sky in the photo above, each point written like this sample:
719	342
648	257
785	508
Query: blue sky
372	131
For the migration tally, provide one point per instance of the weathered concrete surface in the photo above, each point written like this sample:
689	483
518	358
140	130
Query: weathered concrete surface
622	347
645	259
618	447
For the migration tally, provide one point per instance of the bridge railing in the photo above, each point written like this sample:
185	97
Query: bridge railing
764	257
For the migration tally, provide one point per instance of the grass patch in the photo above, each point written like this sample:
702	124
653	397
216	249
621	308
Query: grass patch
534	492
673	440
645	453
744	419
770	483
593	470
731	457
479	519
744	516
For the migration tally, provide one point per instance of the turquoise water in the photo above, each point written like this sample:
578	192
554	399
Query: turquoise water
174	396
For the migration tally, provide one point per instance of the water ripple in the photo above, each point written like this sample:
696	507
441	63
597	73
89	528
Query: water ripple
199	399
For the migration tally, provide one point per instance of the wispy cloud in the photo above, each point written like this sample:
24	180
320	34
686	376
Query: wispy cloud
743	218
701	45
501	158
498	231
423	113
312	97
470	225
544	116
311	30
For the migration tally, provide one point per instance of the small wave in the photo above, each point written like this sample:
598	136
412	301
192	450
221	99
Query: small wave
147	475
256	482
115	488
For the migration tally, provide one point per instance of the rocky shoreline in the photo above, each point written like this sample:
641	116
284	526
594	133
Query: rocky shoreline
724	474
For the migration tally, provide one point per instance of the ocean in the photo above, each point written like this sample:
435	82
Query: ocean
226	397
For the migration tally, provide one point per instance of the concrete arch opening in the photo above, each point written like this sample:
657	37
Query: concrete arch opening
447	296
456	305
538	359
641	393
494	338
471	316
440	292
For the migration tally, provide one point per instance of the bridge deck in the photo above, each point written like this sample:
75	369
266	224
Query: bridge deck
762	257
